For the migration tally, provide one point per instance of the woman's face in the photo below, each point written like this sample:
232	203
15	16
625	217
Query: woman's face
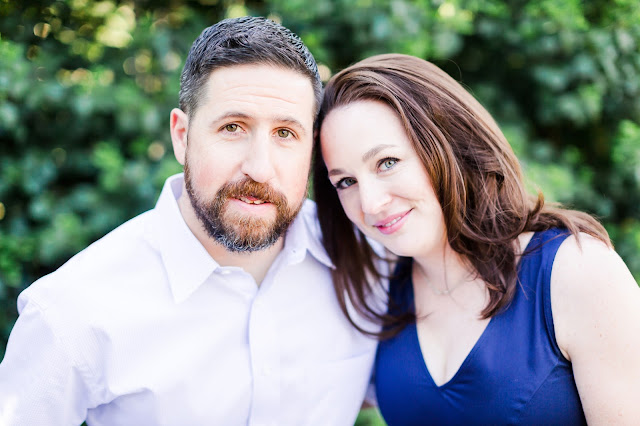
382	184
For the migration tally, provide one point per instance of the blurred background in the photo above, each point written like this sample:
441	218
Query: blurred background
86	88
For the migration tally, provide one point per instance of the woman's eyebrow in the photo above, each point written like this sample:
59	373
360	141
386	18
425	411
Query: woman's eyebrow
373	151
365	157
334	172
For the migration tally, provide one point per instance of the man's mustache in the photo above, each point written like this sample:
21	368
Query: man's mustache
247	187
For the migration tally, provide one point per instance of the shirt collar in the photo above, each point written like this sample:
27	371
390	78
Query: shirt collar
304	235
187	262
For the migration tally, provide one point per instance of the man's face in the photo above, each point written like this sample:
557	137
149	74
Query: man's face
248	153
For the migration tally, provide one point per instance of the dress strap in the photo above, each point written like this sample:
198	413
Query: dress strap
539	257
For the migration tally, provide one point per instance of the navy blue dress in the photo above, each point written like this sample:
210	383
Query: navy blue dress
515	373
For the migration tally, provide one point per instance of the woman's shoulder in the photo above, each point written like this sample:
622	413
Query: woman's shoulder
583	260
590	285
596	311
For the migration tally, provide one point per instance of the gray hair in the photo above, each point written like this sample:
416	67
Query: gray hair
241	41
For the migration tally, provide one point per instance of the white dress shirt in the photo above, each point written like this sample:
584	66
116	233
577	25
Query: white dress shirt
144	328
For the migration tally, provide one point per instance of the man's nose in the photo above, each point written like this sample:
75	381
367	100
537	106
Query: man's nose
258	161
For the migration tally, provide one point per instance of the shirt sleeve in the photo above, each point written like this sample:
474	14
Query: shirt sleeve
39	382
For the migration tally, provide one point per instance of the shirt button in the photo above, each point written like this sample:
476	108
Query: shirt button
266	371
225	272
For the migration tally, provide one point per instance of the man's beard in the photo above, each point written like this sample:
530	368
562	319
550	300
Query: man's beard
235	231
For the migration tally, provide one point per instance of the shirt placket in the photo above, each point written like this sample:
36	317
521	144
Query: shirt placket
265	363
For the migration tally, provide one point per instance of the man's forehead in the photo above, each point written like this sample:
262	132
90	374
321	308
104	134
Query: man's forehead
257	77
249	89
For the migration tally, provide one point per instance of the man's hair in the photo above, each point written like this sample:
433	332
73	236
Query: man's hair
474	172
242	41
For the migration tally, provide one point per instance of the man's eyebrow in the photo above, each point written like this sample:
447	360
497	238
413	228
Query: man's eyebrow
230	114
292	122
284	120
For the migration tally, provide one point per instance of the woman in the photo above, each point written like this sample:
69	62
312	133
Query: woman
502	309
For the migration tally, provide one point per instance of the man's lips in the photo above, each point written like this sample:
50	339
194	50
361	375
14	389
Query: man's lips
251	200
251	205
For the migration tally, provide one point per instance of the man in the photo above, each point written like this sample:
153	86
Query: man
216	307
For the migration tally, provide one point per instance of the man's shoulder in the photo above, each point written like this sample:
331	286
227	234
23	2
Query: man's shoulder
111	261
116	247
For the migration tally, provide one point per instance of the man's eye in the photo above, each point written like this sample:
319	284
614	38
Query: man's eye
284	133
345	183
231	128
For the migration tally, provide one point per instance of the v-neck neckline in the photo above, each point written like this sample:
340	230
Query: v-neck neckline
416	340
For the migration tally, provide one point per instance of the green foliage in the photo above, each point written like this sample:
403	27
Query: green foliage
85	92
86	88
369	417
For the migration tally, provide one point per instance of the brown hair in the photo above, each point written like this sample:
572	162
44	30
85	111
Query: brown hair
475	174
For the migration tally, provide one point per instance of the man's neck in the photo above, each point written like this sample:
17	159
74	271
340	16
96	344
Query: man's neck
256	263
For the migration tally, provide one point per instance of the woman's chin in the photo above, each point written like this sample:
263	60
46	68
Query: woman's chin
397	250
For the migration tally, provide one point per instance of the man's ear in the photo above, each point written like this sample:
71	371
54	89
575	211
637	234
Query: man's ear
179	122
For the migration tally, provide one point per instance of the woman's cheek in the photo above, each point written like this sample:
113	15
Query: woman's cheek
351	207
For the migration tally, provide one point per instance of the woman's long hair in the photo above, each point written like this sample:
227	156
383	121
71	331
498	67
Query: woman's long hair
476	178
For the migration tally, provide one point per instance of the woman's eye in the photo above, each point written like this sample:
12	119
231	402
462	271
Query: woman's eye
284	133
231	128
388	163
345	183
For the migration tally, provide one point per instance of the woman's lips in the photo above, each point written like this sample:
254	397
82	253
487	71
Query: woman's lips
392	223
